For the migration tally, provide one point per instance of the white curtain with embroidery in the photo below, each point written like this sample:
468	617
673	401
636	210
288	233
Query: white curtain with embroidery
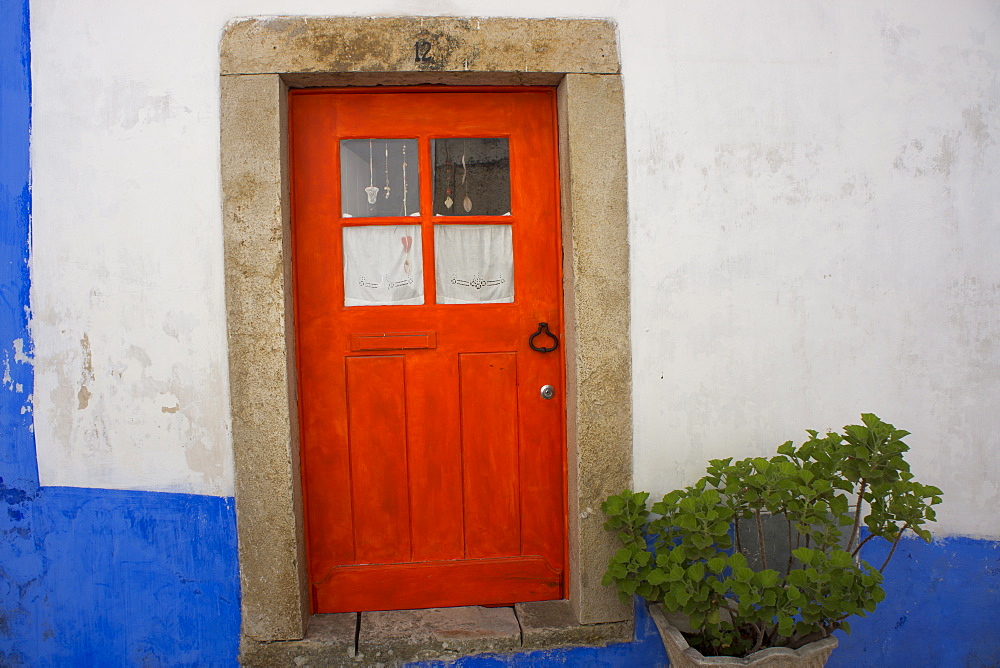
382	265
474	264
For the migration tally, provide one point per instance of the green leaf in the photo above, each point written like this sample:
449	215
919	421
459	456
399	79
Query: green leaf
614	505
701	541
623	556
804	554
716	564
656	576
737	560
767	578
841	559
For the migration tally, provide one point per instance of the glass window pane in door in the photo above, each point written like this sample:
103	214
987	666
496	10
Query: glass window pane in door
383	265
471	177
474	264
379	177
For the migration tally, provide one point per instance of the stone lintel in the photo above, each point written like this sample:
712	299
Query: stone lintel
285	44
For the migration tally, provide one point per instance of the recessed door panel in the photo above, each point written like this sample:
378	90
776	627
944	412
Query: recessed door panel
488	384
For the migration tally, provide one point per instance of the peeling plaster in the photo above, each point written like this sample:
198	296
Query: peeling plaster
87	375
977	128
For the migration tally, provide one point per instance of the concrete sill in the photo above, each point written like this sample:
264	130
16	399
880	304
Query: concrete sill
398	637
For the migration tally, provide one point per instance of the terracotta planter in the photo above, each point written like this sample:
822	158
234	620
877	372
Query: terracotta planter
682	655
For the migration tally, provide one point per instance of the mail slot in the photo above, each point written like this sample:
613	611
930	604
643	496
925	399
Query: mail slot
394	341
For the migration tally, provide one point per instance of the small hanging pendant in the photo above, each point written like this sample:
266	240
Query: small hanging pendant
467	204
386	191
372	192
407	242
448	201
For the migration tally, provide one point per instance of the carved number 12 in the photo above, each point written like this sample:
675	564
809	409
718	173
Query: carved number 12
423	51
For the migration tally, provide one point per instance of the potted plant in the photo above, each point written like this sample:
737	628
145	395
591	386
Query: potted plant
760	557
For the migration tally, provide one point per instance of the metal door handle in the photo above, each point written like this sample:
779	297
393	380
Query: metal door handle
543	328
547	392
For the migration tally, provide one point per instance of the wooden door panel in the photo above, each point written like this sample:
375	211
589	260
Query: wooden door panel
542	477
408	586
489	451
376	424
435	458
433	472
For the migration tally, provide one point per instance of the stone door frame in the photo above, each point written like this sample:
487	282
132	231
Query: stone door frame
261	58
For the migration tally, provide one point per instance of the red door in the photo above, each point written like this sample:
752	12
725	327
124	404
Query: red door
426	253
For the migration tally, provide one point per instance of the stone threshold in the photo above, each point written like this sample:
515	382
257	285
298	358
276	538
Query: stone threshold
398	637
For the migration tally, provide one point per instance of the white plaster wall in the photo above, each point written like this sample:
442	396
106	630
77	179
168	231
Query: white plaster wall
814	202
816	194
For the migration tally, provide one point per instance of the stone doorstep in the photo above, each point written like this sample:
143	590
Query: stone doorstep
397	637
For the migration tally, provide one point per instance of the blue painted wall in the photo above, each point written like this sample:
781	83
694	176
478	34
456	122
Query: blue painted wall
19	563
942	608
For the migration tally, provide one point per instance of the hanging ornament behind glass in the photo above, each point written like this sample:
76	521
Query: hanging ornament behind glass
371	190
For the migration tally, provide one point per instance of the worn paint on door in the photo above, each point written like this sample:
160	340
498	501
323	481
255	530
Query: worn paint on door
427	250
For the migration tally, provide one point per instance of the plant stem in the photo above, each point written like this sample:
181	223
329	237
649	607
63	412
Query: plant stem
895	544
857	514
861	544
789	568
760	540
823	632
739	543
760	637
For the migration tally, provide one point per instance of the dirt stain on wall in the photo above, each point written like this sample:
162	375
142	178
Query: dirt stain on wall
87	373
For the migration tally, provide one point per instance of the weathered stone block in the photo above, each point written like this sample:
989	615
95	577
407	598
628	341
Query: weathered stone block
329	642
398	636
547	624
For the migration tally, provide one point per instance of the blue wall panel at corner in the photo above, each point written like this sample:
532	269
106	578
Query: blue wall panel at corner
119	578
941	608
136	578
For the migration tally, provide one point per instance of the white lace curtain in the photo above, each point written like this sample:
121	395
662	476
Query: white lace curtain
474	264
383	265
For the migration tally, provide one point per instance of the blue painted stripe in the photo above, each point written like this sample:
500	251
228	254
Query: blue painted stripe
123	578
941	608
18	466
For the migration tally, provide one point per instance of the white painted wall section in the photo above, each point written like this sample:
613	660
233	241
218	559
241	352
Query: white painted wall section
813	206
